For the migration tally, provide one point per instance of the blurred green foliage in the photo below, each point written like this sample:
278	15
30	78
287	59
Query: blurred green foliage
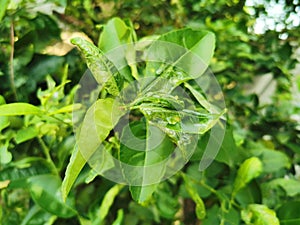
255	177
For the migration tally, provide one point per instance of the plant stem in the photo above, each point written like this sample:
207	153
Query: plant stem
11	60
46	151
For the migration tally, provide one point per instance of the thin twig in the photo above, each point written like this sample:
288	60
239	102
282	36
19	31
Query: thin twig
11	60
46	151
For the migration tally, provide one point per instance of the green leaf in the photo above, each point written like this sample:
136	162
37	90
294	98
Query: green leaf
4	4
288	213
17	174
143	147
117	38
201	99
4	122
250	169
99	120
290	186
37	215
272	160
249	194
77	162
228	154
187	50
103	70
5	155
256	214
106	204
200	207
19	109
45	191
26	134
166	201
66	109
119	218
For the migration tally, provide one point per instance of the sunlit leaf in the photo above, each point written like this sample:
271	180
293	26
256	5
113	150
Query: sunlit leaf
250	169
19	109
259	215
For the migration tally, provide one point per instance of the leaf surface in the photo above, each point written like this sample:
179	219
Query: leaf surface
45	191
99	120
19	109
250	169
259	215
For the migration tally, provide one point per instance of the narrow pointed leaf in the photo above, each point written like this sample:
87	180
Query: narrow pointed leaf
99	120
19	109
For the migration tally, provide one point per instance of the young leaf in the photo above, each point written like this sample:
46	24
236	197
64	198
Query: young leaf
103	70
250	169
259	215
19	109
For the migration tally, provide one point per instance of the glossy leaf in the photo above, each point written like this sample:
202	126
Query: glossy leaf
45	191
19	109
250	169
259	215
